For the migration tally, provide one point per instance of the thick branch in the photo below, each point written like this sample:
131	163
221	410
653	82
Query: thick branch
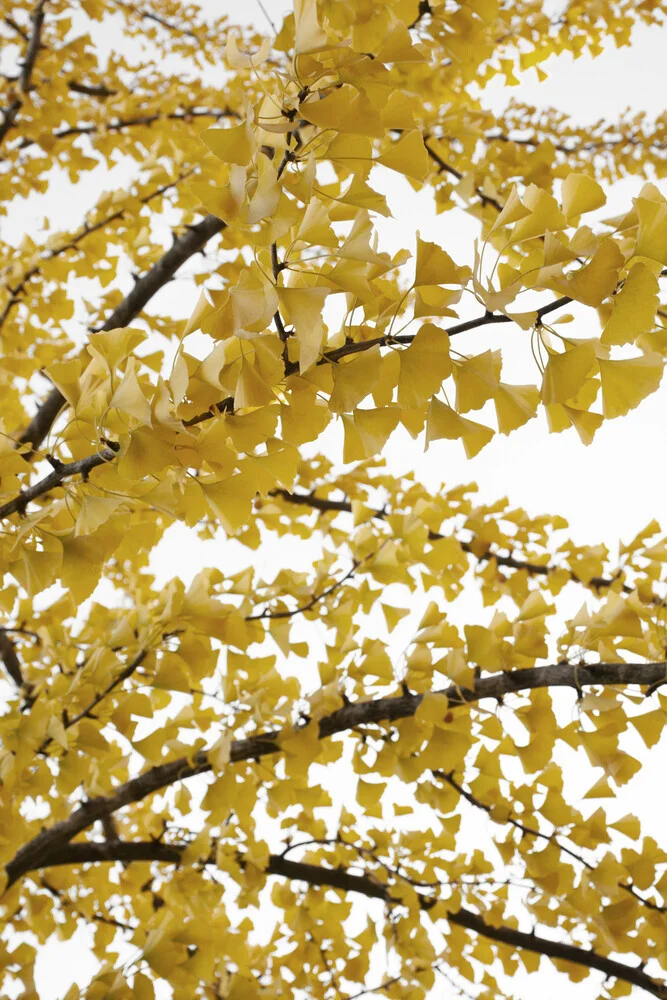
560	951
61	472
342	880
10	659
146	287
350	716
12	110
86	230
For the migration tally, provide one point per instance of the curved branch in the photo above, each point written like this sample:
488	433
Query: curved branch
11	111
61	471
366	885
184	247
78	237
324	504
350	716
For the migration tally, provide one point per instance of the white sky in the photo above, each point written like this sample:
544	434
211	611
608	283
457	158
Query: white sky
608	491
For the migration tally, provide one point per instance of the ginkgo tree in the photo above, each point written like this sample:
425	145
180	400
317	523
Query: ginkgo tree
262	785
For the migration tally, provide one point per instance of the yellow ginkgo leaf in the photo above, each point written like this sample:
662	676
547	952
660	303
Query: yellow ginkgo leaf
424	365
580	194
398	47
513	211
544	215
231	145
251	389
477	380
354	379
634	307
444	422
345	110
584	422
652	233
303	307
626	383
129	397
408	156
309	35
597	280
566	373
375	427
515	405
113	346
436	267
95	510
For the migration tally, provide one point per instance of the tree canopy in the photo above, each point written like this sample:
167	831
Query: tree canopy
270	781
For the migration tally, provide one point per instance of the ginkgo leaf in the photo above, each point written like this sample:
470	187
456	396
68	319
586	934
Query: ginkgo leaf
625	383
344	110
515	405
424	365
251	389
309	35
354	380
374	427
231	145
95	510
408	156
512	211
398	47
544	215
634	307
580	194
652	233
304	310
444	422
477	380
129	397
435	267
596	280
566	373
113	346
584	422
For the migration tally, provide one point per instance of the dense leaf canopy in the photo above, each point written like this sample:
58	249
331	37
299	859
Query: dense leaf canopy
270	781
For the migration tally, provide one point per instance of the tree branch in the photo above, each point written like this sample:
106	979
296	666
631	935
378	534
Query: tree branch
350	716
511	562
366	885
61	471
146	287
12	110
10	659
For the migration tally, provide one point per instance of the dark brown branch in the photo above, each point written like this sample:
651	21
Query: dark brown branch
62	471
11	111
510	562
18	29
309	604
343	881
162	21
87	712
448	168
359	346
559	951
90	89
37	18
351	716
82	234
424	9
530	831
10	659
190	243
